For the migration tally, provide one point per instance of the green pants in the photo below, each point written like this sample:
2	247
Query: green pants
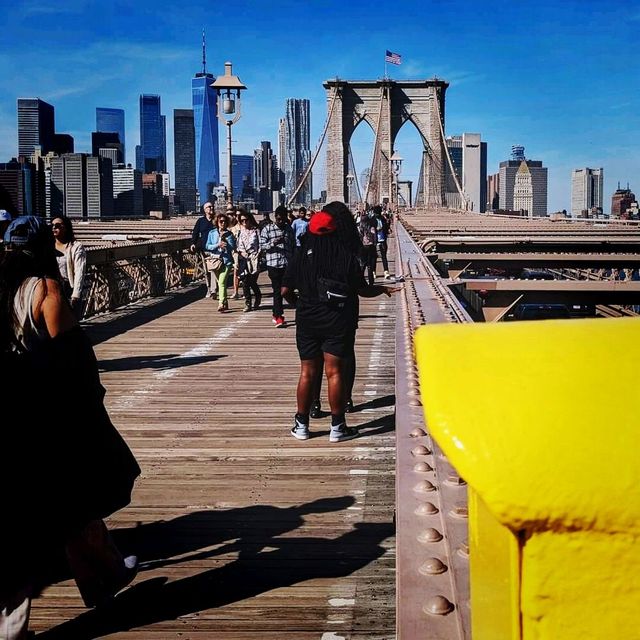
222	276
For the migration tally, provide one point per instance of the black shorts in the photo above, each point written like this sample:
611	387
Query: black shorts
312	343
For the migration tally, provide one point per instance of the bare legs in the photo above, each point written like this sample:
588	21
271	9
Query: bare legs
311	372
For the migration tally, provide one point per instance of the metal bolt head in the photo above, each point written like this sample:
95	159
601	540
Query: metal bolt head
424	486
420	450
455	480
418	433
429	535
422	467
438	606
426	509
432	567
460	511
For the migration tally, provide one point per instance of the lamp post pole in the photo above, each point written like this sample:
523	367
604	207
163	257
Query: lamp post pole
396	163
228	88
350	179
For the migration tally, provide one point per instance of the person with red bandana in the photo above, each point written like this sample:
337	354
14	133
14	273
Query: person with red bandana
328	279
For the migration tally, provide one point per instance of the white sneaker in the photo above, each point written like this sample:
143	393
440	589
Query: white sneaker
300	431
386	275
342	433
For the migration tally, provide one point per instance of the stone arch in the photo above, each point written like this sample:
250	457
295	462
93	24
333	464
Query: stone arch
386	105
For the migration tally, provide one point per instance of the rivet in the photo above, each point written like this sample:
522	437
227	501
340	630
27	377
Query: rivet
424	486
426	509
438	606
432	567
420	450
460	511
429	535
418	433
455	480
414	402
463	550
422	467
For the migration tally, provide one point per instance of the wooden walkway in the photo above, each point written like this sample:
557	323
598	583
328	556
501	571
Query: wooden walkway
243	530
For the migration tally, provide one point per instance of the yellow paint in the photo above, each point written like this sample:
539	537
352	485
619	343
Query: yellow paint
495	575
543	421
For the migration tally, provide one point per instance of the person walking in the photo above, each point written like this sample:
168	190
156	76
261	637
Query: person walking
71	468
277	243
249	252
328	278
199	236
72	262
300	225
220	245
368	236
382	233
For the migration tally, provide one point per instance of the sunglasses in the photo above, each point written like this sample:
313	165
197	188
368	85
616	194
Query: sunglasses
56	226
243	220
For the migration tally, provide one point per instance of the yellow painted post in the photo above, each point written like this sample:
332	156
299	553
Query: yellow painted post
543	421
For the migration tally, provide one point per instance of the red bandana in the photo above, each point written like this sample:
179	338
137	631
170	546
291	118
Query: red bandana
322	223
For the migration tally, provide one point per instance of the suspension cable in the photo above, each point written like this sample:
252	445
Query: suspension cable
372	172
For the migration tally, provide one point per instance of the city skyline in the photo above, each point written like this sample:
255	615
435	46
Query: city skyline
512	73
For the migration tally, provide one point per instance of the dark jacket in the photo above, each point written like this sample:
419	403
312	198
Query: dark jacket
200	232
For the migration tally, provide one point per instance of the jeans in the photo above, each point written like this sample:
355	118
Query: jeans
382	247
249	284
276	275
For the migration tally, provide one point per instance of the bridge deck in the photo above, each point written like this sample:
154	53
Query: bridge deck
243	529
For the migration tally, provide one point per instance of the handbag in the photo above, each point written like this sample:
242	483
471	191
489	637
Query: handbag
333	291
213	263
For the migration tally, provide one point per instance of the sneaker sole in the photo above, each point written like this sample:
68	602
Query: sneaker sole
343	438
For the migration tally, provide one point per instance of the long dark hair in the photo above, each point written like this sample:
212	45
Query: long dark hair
69	235
333	255
16	265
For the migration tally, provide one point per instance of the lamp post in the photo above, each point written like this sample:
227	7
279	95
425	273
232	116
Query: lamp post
350	180
228	88
396	163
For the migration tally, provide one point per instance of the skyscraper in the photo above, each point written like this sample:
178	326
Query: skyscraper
36	126
242	177
206	130
586	190
107	145
469	159
184	154
621	200
112	121
265	171
152	135
297	150
508	172
523	190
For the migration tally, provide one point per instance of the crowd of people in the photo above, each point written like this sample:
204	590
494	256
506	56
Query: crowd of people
75	469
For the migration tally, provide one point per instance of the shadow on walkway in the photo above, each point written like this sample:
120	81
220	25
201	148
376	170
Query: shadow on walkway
265	561
167	361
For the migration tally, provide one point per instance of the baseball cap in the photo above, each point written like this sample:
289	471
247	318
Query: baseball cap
28	232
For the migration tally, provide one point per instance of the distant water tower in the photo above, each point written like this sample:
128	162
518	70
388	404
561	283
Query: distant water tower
517	152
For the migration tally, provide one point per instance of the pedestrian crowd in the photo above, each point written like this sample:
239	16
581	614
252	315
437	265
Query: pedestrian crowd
73	468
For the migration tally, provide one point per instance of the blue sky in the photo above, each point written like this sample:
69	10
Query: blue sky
562	78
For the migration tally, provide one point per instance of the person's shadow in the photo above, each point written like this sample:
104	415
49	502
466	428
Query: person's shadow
250	531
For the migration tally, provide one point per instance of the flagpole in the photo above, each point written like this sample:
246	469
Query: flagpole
385	67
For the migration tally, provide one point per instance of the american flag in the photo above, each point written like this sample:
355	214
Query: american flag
393	58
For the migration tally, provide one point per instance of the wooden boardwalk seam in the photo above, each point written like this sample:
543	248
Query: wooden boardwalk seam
242	529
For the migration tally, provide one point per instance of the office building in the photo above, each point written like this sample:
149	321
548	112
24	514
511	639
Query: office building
127	191
508	171
17	187
282	151
153	155
469	159
586	191
36	126
621	200
81	186
297	150
493	192
63	143
108	145
523	190
153	198
205	122
112	121
185	160
242	177
265	170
